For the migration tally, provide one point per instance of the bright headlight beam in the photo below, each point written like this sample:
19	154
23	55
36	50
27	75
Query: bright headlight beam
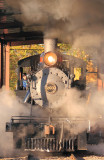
51	59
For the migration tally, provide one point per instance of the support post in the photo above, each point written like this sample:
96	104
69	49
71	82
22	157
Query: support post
1	64
7	66
100	84
20	73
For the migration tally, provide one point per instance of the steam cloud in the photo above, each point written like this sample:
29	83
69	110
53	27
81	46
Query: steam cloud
67	16
79	22
71	106
97	149
78	109
9	106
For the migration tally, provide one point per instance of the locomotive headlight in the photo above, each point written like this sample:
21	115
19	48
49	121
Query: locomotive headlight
50	58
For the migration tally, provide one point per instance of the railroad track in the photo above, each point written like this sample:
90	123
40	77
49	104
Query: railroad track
71	157
76	156
15	158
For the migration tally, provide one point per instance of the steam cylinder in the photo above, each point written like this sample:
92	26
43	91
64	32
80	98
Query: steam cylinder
50	44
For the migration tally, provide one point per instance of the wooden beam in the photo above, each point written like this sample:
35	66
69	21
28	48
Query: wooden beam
22	34
26	42
1	64
7	66
8	25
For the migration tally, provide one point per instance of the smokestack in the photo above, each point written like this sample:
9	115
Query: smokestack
50	44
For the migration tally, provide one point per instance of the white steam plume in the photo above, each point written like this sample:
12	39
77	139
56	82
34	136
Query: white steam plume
9	106
97	149
77	108
80	22
71	15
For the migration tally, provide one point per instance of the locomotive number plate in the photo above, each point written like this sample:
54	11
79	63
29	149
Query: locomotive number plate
51	88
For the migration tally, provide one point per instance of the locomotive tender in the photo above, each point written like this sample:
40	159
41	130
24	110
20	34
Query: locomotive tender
52	75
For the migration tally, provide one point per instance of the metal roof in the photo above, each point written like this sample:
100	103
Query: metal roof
27	62
13	31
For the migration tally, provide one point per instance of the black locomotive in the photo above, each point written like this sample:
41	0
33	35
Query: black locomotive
52	75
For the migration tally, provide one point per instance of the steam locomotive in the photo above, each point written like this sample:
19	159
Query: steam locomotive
52	75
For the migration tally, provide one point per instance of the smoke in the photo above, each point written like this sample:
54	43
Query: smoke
71	15
97	149
72	106
80	112
37	11
79	22
10	106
